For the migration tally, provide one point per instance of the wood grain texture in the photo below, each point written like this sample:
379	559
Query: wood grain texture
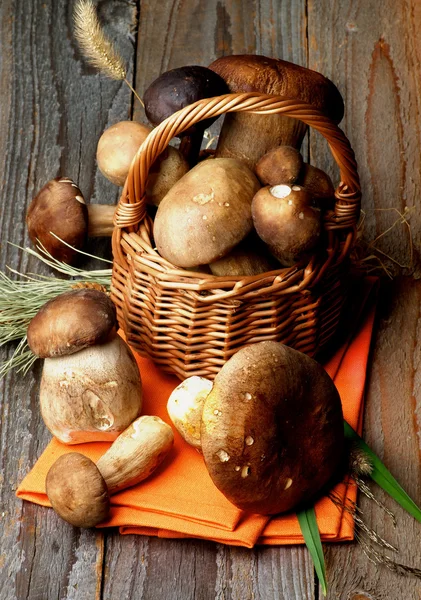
372	51
392	429
52	112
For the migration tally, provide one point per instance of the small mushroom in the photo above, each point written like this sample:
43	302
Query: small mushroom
285	220
280	165
177	88
316	182
79	490
116	149
272	428
249	136
206	213
60	208
185	407
91	388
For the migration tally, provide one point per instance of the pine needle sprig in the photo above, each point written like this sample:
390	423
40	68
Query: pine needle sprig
21	299
97	49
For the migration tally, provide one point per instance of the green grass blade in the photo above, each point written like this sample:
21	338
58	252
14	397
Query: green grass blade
382	476
311	534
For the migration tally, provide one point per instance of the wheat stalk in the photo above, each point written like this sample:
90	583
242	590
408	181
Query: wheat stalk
97	49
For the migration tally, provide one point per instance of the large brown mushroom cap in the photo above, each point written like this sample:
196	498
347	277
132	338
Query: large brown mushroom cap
206	213
256	73
59	207
77	490
272	428
247	136
70	322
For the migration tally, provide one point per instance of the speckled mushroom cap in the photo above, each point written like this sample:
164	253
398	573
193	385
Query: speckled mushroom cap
77	490
59	207
70	322
272	428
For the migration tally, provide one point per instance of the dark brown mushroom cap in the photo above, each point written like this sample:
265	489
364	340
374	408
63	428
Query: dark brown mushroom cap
77	490
70	322
175	89
255	73
272	428
59	207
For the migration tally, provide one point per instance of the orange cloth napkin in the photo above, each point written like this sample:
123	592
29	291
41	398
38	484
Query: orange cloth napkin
180	500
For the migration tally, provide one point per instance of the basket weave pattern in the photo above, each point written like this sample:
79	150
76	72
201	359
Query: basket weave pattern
191	323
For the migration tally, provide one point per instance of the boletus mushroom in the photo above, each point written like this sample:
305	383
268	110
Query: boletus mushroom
287	222
91	388
206	213
116	149
249	136
185	407
60	208
280	165
177	88
272	428
79	490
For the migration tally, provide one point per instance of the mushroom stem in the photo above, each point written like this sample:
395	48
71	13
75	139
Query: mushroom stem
190	146
100	223
135	453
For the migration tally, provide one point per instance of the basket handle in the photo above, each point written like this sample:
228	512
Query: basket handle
131	208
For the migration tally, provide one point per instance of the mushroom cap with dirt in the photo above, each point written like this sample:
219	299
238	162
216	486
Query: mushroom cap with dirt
272	429
248	136
79	490
206	213
287	222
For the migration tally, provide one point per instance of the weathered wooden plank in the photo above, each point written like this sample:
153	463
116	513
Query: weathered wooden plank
52	112
392	428
373	53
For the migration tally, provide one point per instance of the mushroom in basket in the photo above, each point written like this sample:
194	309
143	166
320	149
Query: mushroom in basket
116	149
91	388
206	213
177	88
249	136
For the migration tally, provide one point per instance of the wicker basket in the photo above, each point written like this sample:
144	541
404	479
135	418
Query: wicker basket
191	323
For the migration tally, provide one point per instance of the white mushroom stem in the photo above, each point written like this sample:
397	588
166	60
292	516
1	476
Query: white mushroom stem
185	408
100	222
136	453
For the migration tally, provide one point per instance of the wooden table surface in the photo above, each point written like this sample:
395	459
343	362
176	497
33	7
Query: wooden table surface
54	108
